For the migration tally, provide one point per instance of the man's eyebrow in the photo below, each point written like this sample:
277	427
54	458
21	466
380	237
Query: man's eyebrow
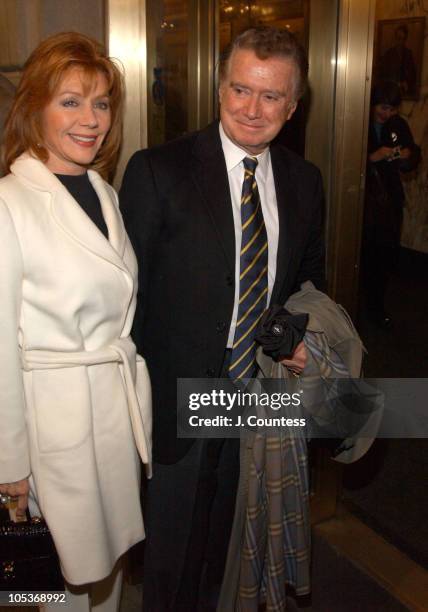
275	92
237	84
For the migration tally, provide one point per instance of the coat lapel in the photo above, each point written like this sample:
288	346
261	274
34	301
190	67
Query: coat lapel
70	216
111	214
286	197
209	174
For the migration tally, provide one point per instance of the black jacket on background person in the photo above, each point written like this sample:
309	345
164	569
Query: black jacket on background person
383	211
394	133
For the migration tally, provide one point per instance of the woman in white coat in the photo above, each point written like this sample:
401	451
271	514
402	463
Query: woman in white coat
75	405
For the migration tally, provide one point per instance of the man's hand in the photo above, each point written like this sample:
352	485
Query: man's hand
19	490
298	359
405	153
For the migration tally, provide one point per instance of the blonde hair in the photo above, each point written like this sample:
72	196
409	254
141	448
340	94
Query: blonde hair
43	72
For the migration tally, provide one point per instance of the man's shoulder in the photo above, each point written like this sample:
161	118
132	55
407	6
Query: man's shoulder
176	152
295	164
172	151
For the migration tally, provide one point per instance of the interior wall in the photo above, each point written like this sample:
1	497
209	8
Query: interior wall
415	225
24	23
85	16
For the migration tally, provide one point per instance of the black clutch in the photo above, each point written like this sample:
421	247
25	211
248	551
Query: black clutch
28	559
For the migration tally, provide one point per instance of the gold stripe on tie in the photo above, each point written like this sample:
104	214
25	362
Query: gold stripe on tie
242	319
251	287
250	219
250	365
233	365
248	268
248	331
247	246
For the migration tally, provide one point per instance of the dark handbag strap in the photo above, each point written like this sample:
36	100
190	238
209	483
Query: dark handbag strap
31	526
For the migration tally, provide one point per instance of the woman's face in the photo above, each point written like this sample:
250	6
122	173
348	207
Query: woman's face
75	123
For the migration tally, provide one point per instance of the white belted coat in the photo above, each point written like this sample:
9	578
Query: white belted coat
75	403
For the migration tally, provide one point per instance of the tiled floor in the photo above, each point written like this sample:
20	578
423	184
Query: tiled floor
387	487
132	598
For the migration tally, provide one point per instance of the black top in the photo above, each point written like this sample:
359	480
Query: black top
82	191
393	133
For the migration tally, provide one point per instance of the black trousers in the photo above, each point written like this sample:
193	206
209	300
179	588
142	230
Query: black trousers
380	246
189	513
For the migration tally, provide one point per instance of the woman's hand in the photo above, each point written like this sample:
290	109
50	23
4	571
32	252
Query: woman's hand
381	153
19	490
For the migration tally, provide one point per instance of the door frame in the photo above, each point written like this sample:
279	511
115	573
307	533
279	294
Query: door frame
341	36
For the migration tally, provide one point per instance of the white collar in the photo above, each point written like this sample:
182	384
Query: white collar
234	154
70	215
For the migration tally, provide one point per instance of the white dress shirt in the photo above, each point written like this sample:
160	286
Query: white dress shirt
264	176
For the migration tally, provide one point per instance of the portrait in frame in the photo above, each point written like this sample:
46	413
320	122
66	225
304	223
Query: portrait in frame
398	53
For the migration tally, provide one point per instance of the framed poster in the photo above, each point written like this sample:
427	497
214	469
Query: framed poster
398	53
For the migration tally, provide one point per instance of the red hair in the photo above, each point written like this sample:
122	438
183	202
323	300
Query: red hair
43	72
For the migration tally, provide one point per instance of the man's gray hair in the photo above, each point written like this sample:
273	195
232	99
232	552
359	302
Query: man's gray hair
265	42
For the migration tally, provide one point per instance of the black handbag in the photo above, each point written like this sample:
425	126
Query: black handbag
28	559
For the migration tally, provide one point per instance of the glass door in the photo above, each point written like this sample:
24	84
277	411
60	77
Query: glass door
170	50
293	15
24	23
167	69
179	64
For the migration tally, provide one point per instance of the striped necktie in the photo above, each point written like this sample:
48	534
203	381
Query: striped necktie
253	280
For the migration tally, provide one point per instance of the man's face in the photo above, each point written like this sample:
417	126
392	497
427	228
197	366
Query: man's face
400	38
383	112
256	99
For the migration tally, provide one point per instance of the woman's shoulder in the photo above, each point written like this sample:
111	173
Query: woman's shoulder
9	195
9	184
29	173
24	187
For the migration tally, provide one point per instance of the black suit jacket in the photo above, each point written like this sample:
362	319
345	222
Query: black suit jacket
177	208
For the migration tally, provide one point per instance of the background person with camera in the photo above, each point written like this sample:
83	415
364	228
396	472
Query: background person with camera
391	151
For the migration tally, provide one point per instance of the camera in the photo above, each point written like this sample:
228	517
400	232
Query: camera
396	154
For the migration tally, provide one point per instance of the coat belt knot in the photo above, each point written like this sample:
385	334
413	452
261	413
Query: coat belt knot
121	351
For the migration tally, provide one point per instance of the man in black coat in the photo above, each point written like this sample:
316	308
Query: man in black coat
181	204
